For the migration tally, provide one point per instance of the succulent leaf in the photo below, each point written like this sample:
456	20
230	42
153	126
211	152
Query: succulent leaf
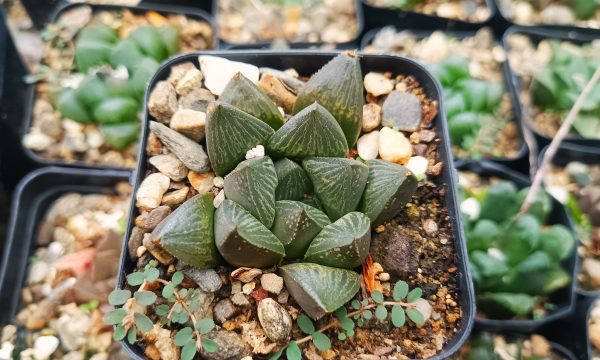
89	53
99	33
126	53
311	132
389	187
230	133
187	233
244	241
116	110
70	107
319	289
120	136
296	225
252	185
343	244
338	182
337	86
292	181
149	40
246	96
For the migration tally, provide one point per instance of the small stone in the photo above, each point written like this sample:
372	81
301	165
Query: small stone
394	146
189	152
218	71
155	217
197	100
283	297
594	331
557	15
162	103
230	346
371	117
436	169
424	308
236	287
175	198
275	321
272	283
169	165
540	347
141	251
45	346
420	149
153	146
430	227
248	288
245	274
219	199
160	344
37	141
151	191
191	80
471	208
418	166
224	310
207	279
368	146
203	183
219	182
277	91
402	110
384	276
427	135
178	71
240	299
377	84
190	123
396	251
591	267
157	251
256	152
135	241
38	272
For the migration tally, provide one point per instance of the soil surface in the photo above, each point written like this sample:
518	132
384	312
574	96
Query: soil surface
550	12
466	10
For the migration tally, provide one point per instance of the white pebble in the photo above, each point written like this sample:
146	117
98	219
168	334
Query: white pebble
151	191
257	152
418	166
377	84
368	145
6	351
218	182
471	208
559	193
37	141
394	146
218	71
45	346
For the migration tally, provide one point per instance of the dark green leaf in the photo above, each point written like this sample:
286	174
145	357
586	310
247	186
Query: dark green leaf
367	314
518	304
183	336
292	181
488	266
321	341
398	316
293	351
341	336
416	316
400	290
356	304
143	322
120	136
347	324
277	355
119	297
520	239
557	241
500	202
116	110
131	335
145	297
119	333
537	261
305	324
414	294
341	312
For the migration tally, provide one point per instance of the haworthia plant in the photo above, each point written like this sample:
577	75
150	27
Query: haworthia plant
296	224
338	86
292	181
188	233
246	96
244	241
343	244
338	182
230	133
252	185
389	187
319	289
311	132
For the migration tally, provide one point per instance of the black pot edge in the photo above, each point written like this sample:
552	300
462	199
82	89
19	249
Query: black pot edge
31	88
507	19
420	34
565	153
397	17
25	210
526	326
536	34
263	45
590	302
464	278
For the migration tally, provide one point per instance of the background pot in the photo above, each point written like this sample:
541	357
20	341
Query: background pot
565	298
33	197
518	162
307	63
190	13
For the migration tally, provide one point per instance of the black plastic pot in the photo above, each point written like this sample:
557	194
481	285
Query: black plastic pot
557	348
537	34
380	16
307	63
264	45
33	197
565	298
518	162
31	92
565	154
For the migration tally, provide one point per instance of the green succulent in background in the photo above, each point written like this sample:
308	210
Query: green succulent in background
472	105
557	86
515	261
113	102
583	9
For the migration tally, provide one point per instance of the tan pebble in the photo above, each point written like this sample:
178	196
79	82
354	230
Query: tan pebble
203	183
377	268
394	146
248	288
162	102
140	251
178	71
191	80
371	117
379	229
430	227
277	91
384	276
245	274
175	198
153	146
272	283
157	251
190	123
540	346
151	191
377	84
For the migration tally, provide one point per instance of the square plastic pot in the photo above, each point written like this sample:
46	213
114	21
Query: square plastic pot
520	160
537	34
307	63
190	13
32	199
565	298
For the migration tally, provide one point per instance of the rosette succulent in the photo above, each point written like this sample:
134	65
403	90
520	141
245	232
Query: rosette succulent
302	206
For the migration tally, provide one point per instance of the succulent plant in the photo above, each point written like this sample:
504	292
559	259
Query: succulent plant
272	211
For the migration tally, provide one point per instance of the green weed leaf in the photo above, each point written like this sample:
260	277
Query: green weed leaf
305	324
119	297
